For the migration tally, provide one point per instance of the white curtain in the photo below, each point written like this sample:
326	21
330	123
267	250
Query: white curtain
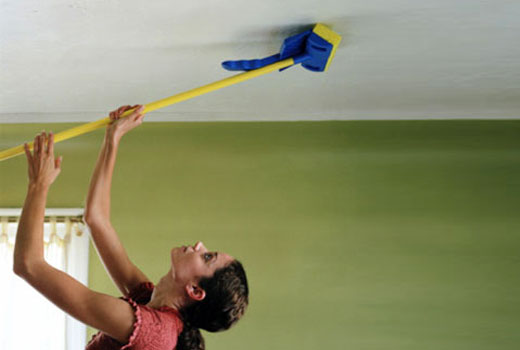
27	319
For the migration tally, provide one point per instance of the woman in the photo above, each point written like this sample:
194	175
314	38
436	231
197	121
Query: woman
202	289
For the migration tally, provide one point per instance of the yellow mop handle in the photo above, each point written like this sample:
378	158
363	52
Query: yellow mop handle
83	129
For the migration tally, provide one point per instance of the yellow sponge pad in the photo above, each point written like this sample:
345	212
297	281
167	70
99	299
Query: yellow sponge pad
329	35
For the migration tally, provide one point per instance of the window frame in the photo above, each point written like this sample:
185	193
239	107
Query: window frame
77	265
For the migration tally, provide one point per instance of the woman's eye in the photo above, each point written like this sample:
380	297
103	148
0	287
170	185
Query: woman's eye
207	256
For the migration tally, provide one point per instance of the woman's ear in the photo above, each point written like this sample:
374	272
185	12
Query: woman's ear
195	292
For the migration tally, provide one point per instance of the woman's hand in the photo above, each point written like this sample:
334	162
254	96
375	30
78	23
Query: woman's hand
43	168
120	126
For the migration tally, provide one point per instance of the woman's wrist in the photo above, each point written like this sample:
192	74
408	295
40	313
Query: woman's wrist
38	186
112	138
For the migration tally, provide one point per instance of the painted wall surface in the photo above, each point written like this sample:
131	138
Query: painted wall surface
354	235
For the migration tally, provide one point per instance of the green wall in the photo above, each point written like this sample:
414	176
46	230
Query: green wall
355	235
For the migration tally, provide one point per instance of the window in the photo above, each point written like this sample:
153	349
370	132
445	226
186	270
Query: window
27	319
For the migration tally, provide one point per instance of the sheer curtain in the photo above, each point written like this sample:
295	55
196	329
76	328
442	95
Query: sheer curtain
27	319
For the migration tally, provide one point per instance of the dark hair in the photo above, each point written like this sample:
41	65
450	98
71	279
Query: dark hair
227	296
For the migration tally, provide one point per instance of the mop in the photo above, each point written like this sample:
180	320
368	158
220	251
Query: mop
312	49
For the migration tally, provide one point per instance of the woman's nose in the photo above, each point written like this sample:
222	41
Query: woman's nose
198	245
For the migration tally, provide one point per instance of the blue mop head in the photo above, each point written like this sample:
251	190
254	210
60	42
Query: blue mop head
314	49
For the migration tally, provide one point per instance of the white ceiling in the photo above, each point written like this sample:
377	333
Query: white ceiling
75	60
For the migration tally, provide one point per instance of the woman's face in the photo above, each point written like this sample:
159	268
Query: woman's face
190	263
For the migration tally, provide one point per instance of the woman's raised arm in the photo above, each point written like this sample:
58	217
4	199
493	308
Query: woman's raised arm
97	209
42	170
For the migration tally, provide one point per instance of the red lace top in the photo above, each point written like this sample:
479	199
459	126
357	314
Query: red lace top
154	329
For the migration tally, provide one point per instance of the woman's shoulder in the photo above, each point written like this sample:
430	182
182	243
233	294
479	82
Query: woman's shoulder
153	329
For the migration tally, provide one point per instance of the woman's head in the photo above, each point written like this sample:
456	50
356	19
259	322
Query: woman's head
191	263
216	290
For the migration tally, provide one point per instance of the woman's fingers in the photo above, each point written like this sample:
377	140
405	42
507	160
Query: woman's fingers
36	145
41	145
135	118
118	112
122	109
139	117
42	166
139	111
27	152
50	145
57	162
29	161
115	113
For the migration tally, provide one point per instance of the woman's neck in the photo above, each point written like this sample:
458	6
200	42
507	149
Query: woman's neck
167	293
